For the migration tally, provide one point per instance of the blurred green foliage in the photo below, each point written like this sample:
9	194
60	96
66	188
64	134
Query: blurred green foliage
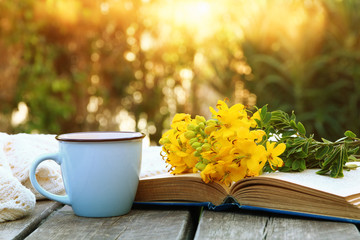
131	65
318	76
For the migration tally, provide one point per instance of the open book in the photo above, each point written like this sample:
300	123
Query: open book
305	193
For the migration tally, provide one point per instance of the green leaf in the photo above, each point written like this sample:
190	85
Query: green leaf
330	158
271	129
350	134
276	114
293	124
352	158
301	128
293	117
263	112
299	141
301	154
290	152
302	164
285	169
353	151
258	122
306	147
267	118
296	164
326	141
322	171
338	164
321	152
288	133
288	163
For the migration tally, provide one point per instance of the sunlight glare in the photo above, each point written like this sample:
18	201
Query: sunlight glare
104	8
197	16
196	12
146	42
190	13
65	10
186	74
129	56
125	121
94	103
20	115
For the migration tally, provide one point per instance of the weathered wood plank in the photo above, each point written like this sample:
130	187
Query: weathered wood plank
292	228
230	225
21	228
138	224
239	225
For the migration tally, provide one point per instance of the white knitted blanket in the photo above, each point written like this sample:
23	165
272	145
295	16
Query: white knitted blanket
17	152
17	196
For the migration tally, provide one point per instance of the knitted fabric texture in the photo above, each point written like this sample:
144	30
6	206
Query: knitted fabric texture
17	152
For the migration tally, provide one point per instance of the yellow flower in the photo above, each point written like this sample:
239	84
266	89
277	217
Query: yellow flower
256	115
250	155
181	117
219	149
179	153
236	172
217	172
180	126
257	135
232	119
273	152
210	173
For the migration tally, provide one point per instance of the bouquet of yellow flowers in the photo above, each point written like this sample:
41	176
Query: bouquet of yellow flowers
235	144
226	148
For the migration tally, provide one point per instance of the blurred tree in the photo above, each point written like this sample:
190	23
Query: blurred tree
75	65
315	73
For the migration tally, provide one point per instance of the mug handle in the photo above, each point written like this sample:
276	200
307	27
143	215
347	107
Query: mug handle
52	156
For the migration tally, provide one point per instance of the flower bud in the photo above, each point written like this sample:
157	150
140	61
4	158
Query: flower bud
197	154
206	147
164	141
200	119
209	129
195	145
189	134
199	149
202	125
193	140
211	122
201	166
191	127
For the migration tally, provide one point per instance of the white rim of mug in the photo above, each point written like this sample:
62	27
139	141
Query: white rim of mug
68	139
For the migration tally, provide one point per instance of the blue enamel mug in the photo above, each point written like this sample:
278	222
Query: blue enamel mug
100	171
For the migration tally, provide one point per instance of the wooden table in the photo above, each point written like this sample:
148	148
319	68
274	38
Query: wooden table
52	220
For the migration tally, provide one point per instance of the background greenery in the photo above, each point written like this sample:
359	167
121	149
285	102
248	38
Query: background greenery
131	65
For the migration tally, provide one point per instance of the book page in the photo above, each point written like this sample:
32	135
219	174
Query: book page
346	186
152	163
153	166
